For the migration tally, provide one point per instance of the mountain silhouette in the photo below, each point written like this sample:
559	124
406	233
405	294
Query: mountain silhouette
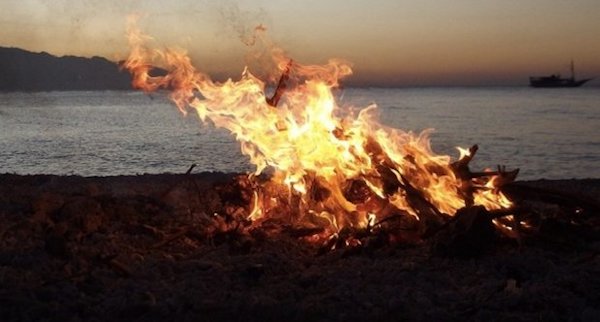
22	70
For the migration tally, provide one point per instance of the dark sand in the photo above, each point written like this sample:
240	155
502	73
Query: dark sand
136	248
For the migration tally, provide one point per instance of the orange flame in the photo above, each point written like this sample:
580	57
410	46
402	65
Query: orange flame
339	169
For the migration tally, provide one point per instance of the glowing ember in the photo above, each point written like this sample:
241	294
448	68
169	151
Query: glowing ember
324	166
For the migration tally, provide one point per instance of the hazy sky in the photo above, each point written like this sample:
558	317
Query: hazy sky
389	42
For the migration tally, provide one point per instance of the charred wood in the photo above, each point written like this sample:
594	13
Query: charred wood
471	234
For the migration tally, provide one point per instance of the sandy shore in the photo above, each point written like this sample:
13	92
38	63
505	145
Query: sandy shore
136	248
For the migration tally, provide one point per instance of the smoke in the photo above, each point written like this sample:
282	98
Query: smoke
242	23
250	27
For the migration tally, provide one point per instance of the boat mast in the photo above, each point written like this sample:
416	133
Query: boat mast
572	70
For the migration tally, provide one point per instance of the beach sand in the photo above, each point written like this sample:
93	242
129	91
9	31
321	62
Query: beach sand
137	248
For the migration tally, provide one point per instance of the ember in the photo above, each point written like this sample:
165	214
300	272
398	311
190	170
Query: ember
321	168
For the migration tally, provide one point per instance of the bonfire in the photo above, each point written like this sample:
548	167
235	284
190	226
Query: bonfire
322	168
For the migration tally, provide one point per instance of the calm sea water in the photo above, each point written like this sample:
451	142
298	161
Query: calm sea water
548	133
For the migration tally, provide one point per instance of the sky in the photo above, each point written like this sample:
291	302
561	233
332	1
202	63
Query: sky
388	42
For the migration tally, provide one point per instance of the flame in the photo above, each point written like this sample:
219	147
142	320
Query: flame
339	169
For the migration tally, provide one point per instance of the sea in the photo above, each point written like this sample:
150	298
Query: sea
546	133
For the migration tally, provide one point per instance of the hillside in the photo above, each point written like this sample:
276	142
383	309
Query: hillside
21	70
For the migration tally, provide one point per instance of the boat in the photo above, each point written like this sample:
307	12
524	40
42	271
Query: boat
556	80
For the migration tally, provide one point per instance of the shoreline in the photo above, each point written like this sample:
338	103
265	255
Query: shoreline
588	186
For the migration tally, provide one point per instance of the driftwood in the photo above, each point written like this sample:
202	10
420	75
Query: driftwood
519	191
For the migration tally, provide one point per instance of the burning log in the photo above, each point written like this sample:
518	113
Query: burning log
469	186
416	196
461	167
281	86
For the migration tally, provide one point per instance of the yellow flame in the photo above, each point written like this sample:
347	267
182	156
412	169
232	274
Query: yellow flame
315	148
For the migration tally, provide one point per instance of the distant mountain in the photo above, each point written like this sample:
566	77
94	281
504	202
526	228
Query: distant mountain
21	70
